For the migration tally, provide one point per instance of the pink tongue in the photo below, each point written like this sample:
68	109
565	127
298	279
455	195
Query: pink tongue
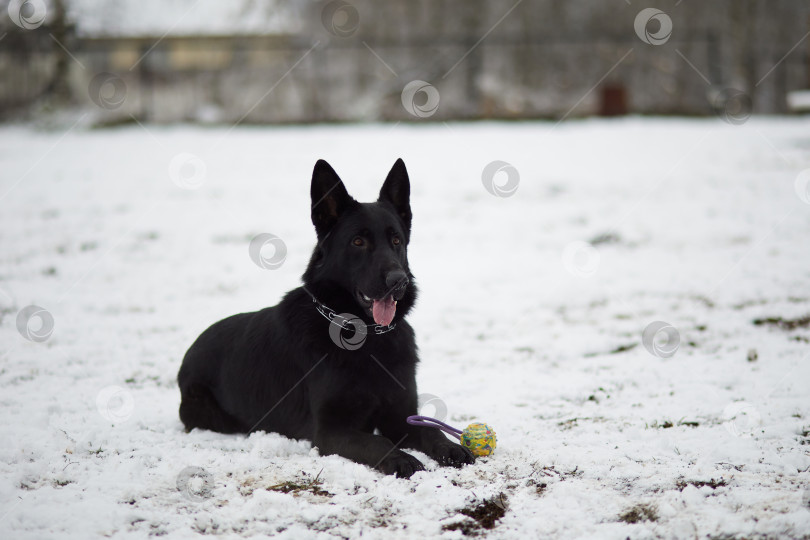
384	310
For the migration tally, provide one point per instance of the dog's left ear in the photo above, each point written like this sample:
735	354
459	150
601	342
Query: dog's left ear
397	190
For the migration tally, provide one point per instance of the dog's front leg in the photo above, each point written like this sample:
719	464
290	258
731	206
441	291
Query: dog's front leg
435	443
429	440
373	450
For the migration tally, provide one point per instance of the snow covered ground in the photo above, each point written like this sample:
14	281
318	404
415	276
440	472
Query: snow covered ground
531	318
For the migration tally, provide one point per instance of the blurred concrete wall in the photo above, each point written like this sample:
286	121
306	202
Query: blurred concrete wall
359	60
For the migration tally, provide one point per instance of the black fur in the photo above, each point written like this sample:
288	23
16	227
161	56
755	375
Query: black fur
279	370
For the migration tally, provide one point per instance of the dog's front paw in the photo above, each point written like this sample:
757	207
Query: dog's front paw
452	454
402	464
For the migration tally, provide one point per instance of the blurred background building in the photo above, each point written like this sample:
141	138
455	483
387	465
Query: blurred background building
275	61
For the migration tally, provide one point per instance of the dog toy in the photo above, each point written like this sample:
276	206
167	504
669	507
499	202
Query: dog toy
479	438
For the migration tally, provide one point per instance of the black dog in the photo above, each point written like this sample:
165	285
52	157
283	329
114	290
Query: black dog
309	369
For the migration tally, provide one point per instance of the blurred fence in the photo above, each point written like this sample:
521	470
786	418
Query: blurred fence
420	59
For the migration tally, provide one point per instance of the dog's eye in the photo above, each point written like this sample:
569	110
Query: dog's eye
396	241
358	241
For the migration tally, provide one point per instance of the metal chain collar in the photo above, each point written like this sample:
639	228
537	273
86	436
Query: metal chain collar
353	323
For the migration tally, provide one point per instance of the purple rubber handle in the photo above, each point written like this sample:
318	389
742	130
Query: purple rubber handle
427	421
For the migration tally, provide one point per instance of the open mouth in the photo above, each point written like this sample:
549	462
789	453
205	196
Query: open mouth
382	309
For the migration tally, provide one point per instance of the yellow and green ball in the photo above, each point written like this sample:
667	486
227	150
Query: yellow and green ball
479	438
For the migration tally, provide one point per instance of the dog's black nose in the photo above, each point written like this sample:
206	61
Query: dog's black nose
396	280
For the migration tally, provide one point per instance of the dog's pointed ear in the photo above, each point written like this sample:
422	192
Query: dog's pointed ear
397	190
329	198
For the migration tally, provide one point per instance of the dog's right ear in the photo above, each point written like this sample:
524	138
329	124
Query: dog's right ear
329	198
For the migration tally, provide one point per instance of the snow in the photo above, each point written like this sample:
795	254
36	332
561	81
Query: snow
703	226
97	18
798	100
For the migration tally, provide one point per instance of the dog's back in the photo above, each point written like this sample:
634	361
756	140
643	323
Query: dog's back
239	367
